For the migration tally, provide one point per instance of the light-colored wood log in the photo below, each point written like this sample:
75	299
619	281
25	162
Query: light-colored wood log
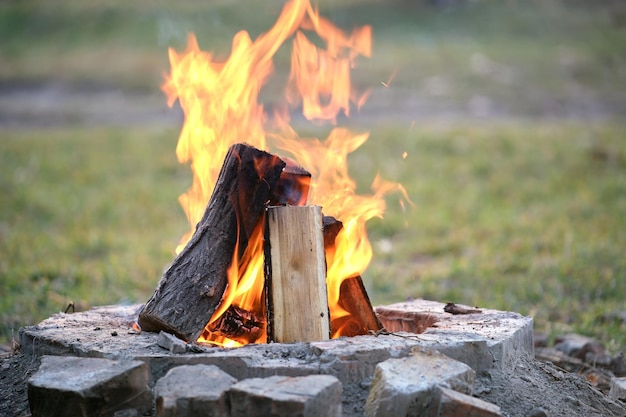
296	275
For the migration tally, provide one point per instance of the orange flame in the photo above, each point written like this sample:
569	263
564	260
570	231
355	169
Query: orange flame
220	102
245	289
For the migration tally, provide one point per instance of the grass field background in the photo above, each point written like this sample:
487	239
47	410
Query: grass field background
511	114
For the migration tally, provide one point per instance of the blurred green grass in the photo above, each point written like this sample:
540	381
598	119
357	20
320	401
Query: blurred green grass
87	215
528	218
522	213
538	58
516	217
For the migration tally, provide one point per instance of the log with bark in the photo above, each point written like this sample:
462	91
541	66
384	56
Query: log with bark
192	287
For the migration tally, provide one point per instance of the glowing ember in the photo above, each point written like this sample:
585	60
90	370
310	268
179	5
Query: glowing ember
220	102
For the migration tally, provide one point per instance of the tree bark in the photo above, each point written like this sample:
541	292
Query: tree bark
192	287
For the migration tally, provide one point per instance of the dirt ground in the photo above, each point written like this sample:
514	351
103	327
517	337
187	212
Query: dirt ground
15	369
537	386
53	104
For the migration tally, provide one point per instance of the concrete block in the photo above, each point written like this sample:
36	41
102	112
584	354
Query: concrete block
406	386
278	396
618	389
70	386
192	390
450	403
172	343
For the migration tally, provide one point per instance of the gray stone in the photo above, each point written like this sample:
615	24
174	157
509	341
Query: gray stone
251	361
278	396
406	386
192	390
490	339
70	386
353	359
618	388
450	403
538	412
572	343
172	343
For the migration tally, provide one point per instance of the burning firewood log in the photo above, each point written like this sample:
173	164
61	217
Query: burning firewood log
236	323
192	287
352	295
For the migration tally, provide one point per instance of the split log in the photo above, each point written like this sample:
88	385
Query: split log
295	273
352	295
192	287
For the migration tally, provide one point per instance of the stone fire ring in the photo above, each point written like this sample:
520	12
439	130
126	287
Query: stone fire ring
487	341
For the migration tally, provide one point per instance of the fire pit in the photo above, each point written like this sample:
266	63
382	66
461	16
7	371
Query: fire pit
486	341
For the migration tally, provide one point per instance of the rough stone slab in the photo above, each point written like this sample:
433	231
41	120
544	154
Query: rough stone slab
618	389
278	396
102	332
450	403
355	358
406	386
192	390
171	343
252	361
483	340
491	339
70	386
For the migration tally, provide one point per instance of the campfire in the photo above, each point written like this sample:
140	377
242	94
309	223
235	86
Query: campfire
278	241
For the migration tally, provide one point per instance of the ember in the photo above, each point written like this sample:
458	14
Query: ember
220	101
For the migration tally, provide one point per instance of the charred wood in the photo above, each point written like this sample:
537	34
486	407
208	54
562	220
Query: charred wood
352	295
236	323
192	287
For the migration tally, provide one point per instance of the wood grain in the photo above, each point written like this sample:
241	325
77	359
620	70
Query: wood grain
296	275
